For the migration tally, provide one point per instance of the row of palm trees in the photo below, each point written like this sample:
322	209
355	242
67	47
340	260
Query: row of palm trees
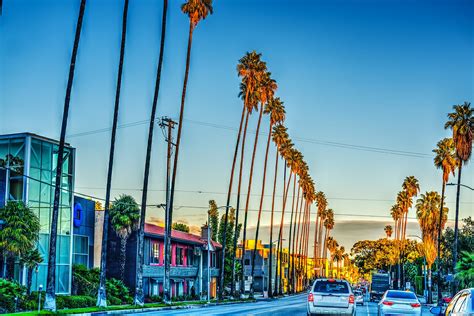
450	155
196	10
257	90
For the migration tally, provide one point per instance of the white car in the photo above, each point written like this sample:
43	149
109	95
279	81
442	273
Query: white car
359	297
331	296
399	303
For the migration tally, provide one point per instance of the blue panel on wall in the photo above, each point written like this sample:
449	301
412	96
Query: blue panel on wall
78	214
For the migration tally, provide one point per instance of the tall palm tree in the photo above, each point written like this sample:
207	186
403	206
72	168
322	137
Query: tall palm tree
322	204
445	160
328	225
242	71
196	10
286	152
279	137
30	261
125	218
50	299
139	296
296	167
428	208
304	184
331	245
251	69
265	91
388	230
411	187
101	295
461	122
276	111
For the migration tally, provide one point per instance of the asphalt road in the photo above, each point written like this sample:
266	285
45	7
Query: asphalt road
288	306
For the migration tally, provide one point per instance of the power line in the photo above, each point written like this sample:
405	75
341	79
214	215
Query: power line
379	150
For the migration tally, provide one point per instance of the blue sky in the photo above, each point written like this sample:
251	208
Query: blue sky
381	74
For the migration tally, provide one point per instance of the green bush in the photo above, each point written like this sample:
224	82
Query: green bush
77	301
8	292
86	282
153	299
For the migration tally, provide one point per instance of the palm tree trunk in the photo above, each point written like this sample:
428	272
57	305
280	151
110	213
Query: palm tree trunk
139	295
316	244
101	295
298	239
456	228
249	189
29	280
123	250
270	265
430	294
280	234
180	128
229	193
50	299
438	257
325	251
278	254
237	208
261	205
321	245
290	285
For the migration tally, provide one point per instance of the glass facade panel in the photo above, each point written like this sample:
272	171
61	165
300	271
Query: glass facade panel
35	158
81	250
62	278
46	156
3	150
63	249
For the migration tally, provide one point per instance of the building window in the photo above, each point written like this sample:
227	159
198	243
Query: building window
179	256
155	252
190	257
81	250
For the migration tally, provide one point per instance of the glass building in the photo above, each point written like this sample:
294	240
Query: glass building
27	172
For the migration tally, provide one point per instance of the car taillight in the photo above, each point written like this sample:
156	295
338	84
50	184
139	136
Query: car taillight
415	305
351	299
310	297
388	303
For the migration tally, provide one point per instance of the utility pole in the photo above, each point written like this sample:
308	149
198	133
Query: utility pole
209	258
167	125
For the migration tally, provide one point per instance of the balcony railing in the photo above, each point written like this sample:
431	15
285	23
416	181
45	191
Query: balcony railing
159	271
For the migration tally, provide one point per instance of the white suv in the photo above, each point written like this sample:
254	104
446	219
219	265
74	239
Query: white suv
331	296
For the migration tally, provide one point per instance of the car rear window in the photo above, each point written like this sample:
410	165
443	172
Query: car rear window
338	287
357	293
402	295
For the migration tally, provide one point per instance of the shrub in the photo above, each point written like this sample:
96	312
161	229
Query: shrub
8	292
77	301
117	289
112	300
153	299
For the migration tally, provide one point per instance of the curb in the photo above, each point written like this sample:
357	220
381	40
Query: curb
164	308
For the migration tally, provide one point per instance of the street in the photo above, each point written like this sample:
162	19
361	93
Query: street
293	305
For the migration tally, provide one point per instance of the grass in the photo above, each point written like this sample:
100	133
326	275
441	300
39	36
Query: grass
122	307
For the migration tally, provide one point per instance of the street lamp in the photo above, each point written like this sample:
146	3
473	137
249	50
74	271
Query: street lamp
463	185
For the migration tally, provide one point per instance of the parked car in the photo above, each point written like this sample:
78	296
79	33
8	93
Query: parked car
331	296
359	297
399	303
462	304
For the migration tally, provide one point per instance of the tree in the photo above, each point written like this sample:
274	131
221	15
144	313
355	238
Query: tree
265	91
279	137
125	218
214	219
276	111
30	260
229	249
196	10
50	299
461	122
250	69
465	270
427	211
102	295
388	230
139	295
182	227
445	160
328	225
322	204
19	234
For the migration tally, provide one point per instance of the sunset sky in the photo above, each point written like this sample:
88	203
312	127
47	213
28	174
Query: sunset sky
366	84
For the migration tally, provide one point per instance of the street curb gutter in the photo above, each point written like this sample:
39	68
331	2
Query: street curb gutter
164	308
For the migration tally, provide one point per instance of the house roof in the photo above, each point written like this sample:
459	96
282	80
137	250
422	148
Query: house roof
159	231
